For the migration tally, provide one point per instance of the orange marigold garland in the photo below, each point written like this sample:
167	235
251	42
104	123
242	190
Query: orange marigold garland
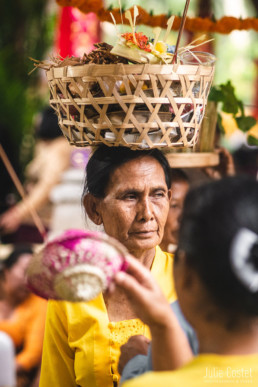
84	6
224	25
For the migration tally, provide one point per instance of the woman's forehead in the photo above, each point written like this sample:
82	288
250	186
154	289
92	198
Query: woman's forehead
138	172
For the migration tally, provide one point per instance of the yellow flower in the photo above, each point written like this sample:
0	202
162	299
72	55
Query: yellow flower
161	47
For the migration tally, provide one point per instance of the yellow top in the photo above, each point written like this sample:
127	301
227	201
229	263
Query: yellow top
81	345
205	371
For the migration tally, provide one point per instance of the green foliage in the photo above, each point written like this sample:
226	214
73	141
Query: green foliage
252	140
225	95
26	30
245	123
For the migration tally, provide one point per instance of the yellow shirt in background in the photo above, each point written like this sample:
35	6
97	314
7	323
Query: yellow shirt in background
81	345
205	371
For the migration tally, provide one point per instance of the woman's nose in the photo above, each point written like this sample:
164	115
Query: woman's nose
145	210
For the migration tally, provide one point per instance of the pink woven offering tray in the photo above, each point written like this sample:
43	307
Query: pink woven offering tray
76	266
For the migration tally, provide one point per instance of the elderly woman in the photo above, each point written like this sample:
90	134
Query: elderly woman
216	279
128	193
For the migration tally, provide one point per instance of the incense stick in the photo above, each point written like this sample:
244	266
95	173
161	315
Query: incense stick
181	29
21	191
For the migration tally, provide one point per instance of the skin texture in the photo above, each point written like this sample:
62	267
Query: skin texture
179	190
135	207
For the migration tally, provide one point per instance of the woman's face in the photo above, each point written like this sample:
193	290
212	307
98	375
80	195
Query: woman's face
136	204
179	190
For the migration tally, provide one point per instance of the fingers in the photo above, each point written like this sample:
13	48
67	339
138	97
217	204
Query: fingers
136	345
134	280
139	272
132	287
138	280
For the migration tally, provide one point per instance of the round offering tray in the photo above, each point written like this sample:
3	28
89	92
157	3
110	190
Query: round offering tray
192	159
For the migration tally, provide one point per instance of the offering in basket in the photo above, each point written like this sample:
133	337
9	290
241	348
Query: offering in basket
133	94
76	266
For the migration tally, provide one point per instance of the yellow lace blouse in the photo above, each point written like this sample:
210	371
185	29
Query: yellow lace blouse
81	345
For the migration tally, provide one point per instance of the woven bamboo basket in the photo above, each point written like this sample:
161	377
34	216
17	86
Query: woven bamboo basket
138	106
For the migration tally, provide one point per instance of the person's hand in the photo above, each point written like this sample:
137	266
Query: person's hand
10	220
136	345
145	295
225	167
170	347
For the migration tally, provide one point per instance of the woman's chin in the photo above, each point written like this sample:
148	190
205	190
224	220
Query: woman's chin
142	243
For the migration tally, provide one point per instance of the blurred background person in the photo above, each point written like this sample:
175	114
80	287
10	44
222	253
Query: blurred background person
22	314
179	187
51	158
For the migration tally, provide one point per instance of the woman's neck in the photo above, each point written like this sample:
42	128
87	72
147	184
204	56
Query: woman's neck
215	338
145	257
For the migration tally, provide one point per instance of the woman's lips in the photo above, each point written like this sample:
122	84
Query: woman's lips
143	232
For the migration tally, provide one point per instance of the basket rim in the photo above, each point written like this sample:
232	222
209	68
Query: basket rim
120	69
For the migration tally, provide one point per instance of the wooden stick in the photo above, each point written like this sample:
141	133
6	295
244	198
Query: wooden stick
21	191
181	29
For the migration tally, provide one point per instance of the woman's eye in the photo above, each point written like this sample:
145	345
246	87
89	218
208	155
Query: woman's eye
159	194
129	197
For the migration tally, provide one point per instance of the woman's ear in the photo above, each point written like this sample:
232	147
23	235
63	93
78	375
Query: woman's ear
91	205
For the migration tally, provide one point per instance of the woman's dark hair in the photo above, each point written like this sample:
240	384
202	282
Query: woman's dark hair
213	214
15	255
106	159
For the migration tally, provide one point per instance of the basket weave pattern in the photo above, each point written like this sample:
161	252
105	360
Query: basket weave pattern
138	106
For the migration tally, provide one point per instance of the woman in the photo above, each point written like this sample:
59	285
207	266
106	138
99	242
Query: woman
128	193
216	279
22	314
51	158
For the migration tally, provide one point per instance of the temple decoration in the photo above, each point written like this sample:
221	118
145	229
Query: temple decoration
225	25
